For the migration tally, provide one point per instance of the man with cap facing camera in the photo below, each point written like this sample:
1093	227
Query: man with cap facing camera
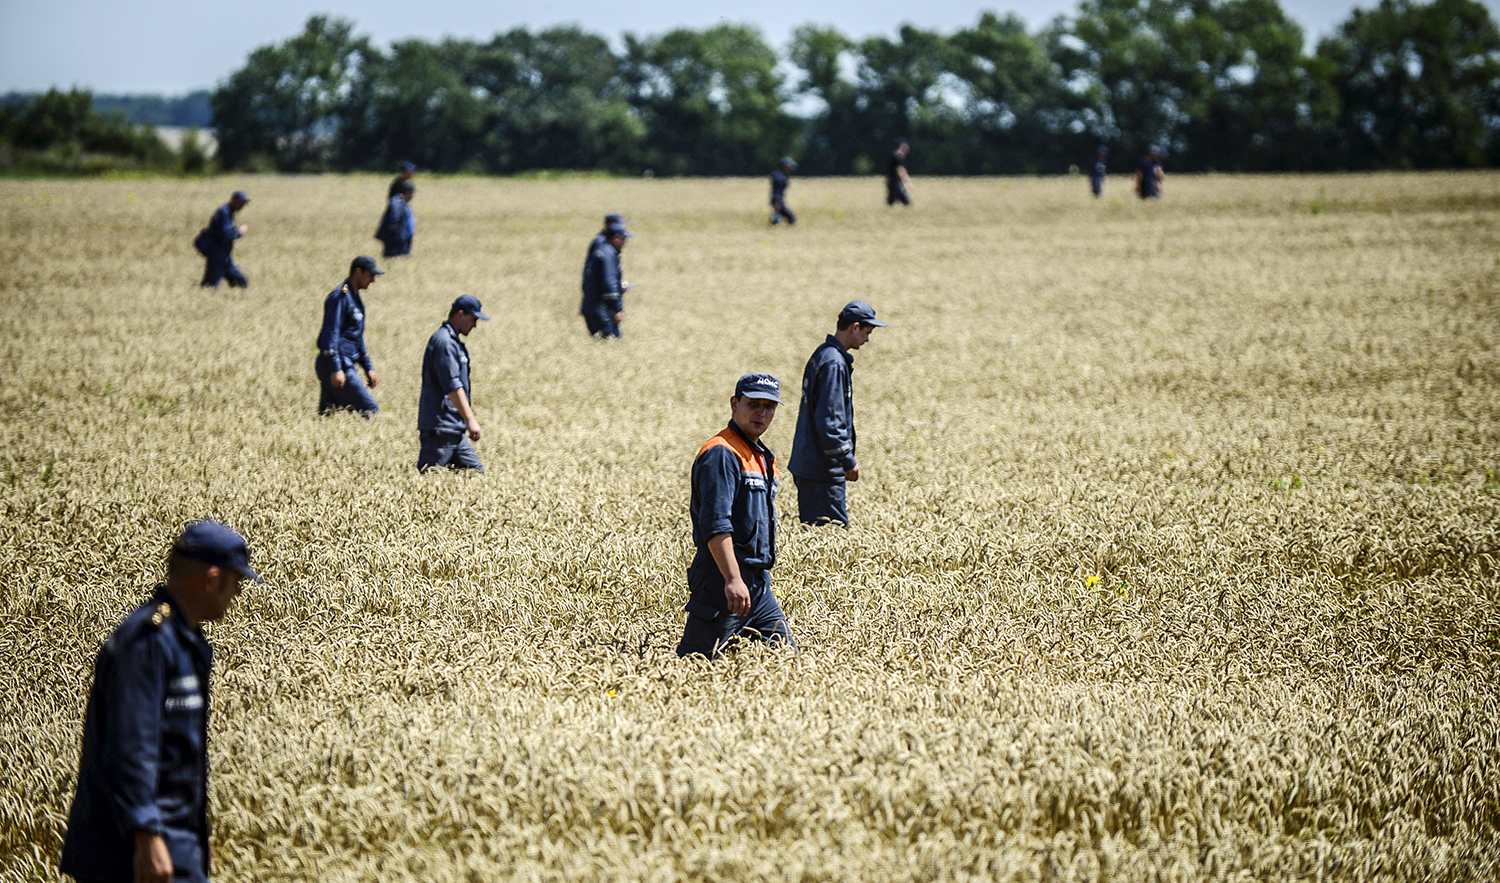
341	344
445	412
780	180
141	809
733	510
603	306
216	243
823	447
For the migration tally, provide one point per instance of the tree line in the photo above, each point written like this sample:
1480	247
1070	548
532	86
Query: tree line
1219	84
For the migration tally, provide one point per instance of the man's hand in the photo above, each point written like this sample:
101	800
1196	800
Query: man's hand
625	286
619	317
851	474
738	595
474	431
244	228
337	380
153	864
374	379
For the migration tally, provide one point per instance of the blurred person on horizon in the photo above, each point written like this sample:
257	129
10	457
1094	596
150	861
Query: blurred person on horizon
733	511
1149	174
822	462
216	243
897	181
341	345
402	176
445	412
398	226
140	811
603	304
780	181
1098	171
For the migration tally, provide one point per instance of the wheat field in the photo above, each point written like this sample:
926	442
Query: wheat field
1175	557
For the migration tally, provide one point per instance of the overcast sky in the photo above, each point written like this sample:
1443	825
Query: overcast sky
176	46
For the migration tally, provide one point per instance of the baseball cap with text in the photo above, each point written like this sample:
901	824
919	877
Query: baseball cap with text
759	386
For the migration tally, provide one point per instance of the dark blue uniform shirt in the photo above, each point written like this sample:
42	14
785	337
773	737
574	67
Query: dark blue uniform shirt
144	764
342	338
398	226
734	492
602	291
445	367
823	447
1150	186
217	239
779	184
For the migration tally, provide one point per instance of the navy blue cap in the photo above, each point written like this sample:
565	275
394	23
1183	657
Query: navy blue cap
408	167
469	304
240	195
613	218
901	141
859	311
1103	149
789	162
216	544
365	262
617	228
759	386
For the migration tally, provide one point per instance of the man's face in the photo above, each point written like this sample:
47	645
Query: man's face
752	416
360	278
463	322
222	586
901	150
859	334
618	241
236	204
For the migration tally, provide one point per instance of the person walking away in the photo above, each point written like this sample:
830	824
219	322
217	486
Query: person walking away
402	176
341	345
897	181
780	180
1149	174
823	462
1096	174
398	226
140	812
445	411
603	304
216	243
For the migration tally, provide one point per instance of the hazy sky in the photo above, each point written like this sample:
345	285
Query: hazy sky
175	46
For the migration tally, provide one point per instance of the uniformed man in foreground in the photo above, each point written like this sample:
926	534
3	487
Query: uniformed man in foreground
733	510
341	345
603	304
445	412
141	809
822	462
216	243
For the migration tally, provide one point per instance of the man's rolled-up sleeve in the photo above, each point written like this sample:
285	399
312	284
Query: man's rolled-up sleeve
716	478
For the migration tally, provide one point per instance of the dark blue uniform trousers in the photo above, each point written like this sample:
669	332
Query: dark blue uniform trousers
601	323
221	266
710	631
452	450
822	502
352	396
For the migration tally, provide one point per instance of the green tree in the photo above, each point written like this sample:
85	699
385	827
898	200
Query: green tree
285	106
1016	106
1417	85
711	101
906	88
63	131
831	138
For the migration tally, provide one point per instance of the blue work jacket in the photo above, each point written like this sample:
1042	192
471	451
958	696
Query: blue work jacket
603	290
220	234
779	182
342	338
445	367
398	225
823	447
144	764
734	492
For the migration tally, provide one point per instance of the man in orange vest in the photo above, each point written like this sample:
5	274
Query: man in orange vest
734	527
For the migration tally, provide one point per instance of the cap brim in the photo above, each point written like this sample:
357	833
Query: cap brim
873	321
478	315
251	575
763	396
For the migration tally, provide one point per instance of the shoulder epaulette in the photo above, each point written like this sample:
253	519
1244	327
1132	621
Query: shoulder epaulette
162	613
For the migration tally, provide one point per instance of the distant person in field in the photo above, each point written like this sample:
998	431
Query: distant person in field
216	243
402	176
445	412
1149	174
897	181
822	462
780	180
140	811
1096	174
733	510
398	226
603	305
341	345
